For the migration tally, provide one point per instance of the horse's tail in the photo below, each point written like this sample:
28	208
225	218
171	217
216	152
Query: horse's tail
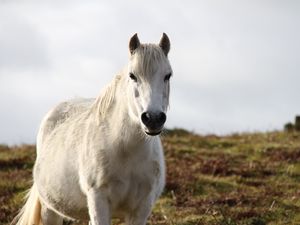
30	214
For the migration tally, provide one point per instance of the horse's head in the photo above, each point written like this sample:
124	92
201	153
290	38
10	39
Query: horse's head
149	73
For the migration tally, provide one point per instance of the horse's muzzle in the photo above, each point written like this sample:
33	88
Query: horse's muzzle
154	122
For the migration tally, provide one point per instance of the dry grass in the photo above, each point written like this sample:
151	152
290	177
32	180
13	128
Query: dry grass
237	179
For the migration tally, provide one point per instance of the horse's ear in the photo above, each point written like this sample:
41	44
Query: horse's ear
165	44
134	43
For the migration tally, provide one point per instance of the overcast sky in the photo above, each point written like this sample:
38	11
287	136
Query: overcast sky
236	63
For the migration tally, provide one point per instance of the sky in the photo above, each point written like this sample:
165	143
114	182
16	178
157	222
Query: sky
235	63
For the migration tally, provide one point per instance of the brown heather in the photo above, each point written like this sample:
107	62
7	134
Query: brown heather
237	179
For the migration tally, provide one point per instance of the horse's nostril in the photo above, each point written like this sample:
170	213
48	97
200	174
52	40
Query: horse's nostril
162	118
146	118
153	120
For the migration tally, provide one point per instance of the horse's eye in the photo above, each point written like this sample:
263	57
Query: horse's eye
167	77
132	77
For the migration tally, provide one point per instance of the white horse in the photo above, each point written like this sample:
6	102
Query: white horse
102	158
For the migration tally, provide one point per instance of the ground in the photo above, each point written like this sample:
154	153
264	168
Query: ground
236	179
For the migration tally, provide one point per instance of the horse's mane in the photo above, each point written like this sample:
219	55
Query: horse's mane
106	97
150	55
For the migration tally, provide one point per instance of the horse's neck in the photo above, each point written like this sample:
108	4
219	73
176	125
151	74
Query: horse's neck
119	124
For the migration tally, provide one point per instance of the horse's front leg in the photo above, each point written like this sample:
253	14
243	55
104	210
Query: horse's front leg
99	210
141	214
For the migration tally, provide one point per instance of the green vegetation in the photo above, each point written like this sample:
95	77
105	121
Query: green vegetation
237	179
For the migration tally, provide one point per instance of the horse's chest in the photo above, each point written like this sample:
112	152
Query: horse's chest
130	184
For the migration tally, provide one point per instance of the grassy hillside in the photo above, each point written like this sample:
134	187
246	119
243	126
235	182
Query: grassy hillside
237	179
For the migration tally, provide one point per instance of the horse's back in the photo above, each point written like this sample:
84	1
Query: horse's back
57	116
